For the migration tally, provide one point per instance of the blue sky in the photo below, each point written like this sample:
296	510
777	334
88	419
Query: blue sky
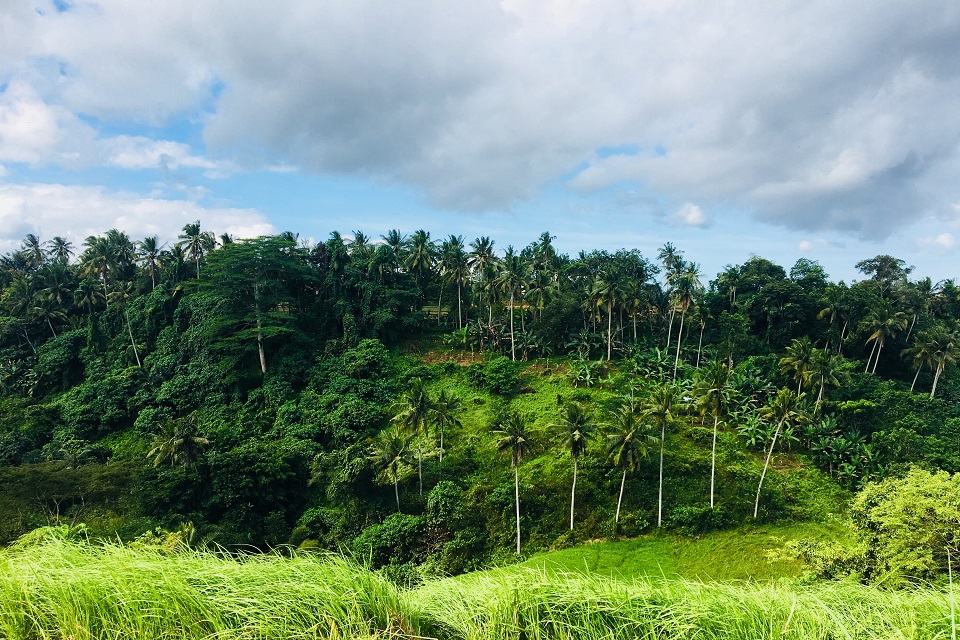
822	130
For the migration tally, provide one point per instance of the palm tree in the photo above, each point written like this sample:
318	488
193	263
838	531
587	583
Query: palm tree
712	395
96	260
798	359
88	296
48	309
884	322
577	432
32	251
922	353
786	408
413	412
627	444
511	280
360	246
196	242
606	291
178	442
386	455
60	249
659	408
481	260
513	439
420	256
687	285
149	251
397	243
946	347
121	295
446	413
672	260
731	277
825	367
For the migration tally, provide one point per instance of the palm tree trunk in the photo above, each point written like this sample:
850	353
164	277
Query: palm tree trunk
26	335
609	326
870	357
936	378
396	489
843	332
616	519
756	505
130	331
573	492
670	328
700	344
459	307
516	493
441	444
50	324
713	457
917	375
877	359
676	362
513	350
419	465
439	301
663	433
909	331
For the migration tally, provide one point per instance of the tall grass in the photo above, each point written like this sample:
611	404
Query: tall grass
68	590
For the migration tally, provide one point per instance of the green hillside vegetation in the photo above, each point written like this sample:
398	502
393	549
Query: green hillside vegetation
438	407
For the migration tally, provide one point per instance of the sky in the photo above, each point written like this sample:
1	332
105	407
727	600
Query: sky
798	129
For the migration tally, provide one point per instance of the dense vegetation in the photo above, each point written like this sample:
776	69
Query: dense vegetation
434	407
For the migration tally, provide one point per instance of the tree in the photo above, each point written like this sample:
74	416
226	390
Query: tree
60	249
659	408
387	454
578	430
945	348
606	291
883	322
885	271
481	260
196	242
149	251
511	281
785	409
178	442
413	412
121	295
712	395
798	359
446	413
687	286
514	440
627	443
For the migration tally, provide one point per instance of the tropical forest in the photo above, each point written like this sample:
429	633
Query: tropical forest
406	436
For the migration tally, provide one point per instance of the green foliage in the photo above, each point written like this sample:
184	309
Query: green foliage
498	376
692	520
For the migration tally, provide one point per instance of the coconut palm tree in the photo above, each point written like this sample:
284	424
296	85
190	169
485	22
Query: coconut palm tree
196	242
825	370
387	454
883	321
121	295
712	393
149	251
95	261
514	440
481	260
798	359
607	292
60	249
512	280
446	413
659	408
413	412
397	243
946	348
32	250
687	285
627	443
577	431
178	442
921	354
785	409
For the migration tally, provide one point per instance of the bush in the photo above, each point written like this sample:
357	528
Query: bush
497	376
696	520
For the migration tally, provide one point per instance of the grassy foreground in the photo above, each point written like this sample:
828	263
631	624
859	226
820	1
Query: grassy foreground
61	589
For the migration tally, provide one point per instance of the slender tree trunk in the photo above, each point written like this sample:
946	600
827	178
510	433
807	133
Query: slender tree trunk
439	301
396	489
153	279
843	332
441	444
516	493
573	492
459	307
513	350
616	519
700	345
106	295
713	458
670	329
936	378
676	362
26	335
130	331
419	465
916	375
609	327
756	505
50	324
910	330
663	433
634	327
877	359
870	357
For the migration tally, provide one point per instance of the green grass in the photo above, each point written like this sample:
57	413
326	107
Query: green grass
59	589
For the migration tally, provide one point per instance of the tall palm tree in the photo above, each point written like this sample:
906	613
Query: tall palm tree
825	370
607	292
627	444
514	440
446	413
712	393
96	260
60	249
421	255
672	260
946	347
798	359
922	353
149	250
32	250
360	246
196	242
88	296
397	243
481	260
577	431
511	281
659	408
688	286
121	295
883	321
413	412
785	409
386	455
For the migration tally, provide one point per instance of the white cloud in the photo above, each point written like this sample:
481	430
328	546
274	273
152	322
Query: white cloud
77	212
691	215
139	152
805	245
941	242
34	132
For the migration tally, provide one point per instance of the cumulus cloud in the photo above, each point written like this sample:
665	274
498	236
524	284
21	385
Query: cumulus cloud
76	212
691	215
814	115
942	242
